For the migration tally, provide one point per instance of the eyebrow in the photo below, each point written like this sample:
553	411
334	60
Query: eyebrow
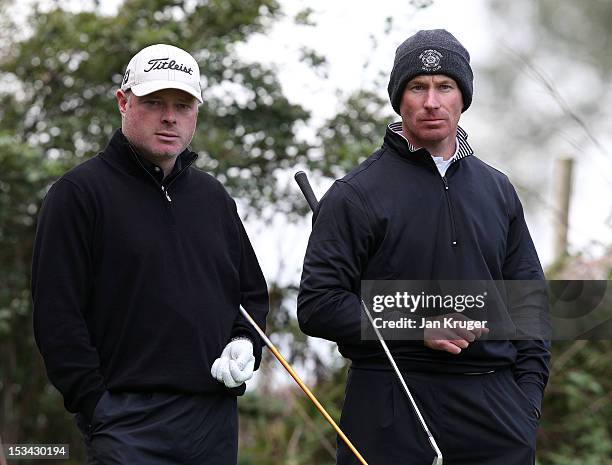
422	80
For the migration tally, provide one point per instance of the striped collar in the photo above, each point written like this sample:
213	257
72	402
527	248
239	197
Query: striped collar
462	150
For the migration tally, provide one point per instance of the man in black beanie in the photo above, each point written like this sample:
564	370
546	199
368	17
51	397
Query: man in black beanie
424	208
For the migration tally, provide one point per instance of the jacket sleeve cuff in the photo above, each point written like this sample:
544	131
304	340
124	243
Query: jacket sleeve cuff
89	403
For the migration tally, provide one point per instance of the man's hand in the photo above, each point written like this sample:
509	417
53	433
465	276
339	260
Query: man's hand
235	366
451	339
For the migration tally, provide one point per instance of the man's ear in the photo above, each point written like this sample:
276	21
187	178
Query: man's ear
122	101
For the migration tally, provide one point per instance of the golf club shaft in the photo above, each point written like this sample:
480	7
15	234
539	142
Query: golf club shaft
300	383
302	180
434	444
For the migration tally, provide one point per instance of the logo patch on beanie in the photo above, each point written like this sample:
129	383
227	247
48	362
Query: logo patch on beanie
431	60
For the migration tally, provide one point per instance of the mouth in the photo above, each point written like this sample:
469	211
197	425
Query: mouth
432	123
169	136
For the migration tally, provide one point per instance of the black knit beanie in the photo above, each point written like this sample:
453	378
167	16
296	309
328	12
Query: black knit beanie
433	51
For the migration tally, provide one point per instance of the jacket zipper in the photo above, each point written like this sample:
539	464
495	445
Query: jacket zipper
450	213
164	189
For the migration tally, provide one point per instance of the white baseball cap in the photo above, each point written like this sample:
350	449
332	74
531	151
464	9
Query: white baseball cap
162	66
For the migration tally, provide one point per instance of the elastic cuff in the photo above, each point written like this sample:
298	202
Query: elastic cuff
88	404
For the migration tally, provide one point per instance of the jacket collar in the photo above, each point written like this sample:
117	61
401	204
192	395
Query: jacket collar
396	141
122	155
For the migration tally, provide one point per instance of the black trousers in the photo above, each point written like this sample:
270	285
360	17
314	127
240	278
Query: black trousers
161	429
476	419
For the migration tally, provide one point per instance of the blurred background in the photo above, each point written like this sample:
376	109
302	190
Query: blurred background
294	85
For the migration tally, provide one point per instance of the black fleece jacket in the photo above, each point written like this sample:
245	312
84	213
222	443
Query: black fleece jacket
395	218
135	287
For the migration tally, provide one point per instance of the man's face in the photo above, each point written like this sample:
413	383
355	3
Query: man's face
160	124
430	110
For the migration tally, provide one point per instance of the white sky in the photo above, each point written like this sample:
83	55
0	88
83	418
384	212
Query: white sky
342	33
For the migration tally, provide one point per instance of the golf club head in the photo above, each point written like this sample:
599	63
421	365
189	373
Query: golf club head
437	460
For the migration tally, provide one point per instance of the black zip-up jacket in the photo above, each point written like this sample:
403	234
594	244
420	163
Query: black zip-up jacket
136	284
395	218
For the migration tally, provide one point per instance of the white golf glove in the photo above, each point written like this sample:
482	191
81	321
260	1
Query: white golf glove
236	363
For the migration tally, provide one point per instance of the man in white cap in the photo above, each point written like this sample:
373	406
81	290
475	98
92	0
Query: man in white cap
140	265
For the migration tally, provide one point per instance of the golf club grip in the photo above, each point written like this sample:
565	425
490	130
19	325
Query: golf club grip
302	181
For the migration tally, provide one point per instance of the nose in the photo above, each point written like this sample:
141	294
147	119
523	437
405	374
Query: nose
432	102
168	115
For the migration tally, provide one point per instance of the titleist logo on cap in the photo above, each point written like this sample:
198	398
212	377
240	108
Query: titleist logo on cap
166	63
162	66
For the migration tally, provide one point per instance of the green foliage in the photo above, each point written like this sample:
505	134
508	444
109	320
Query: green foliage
29	408
576	423
353	134
304	17
315	60
577	410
